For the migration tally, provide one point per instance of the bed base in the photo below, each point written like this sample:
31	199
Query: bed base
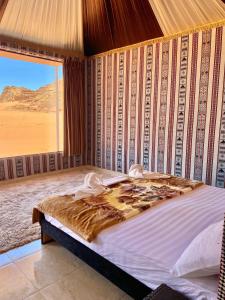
123	280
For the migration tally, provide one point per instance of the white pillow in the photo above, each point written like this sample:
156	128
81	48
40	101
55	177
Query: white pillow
202	256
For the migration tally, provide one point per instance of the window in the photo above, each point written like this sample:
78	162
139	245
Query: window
31	105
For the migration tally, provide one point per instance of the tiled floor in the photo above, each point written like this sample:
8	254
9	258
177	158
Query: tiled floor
50	272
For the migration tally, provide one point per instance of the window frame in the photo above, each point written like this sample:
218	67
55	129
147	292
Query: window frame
56	65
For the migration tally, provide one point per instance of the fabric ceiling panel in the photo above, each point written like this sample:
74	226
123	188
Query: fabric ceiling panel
3	4
179	15
55	23
98	34
111	24
75	27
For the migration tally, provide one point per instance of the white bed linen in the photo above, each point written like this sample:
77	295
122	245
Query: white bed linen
148	245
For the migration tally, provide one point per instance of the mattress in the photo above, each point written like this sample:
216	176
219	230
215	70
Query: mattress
148	245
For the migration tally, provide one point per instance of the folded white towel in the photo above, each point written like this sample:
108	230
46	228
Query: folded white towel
114	180
93	186
136	171
93	180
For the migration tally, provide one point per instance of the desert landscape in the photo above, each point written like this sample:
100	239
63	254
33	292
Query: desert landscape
28	120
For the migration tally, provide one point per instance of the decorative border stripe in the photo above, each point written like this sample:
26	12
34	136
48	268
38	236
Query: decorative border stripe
140	105
172	105
99	128
220	177
215	86
108	112
120	113
22	166
126	102
191	105
132	115
163	107
154	107
181	105
114	112
202	104
147	107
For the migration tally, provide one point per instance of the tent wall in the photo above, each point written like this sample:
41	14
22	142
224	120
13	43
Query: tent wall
21	166
161	105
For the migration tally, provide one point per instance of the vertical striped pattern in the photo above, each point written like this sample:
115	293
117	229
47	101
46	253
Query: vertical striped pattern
125	130
108	112
132	108
147	107
161	107
120	110
140	105
213	113
114	101
181	106
172	105
21	166
154	107
221	147
202	104
89	125
99	104
103	112
191	104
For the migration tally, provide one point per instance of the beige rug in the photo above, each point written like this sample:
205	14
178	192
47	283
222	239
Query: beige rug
18	197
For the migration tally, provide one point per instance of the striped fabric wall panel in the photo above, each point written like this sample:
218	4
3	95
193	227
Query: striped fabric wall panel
161	105
21	166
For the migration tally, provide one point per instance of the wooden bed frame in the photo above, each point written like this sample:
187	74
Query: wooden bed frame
120	278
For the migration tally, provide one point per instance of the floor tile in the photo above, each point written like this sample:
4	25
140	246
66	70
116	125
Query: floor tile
83	283
126	297
4	260
47	265
14	285
59	250
25	250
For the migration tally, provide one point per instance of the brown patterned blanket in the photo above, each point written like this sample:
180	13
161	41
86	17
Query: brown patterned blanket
89	216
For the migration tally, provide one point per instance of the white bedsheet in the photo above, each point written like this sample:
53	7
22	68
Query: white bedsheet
148	245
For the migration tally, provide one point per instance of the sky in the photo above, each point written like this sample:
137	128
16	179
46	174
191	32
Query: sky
26	74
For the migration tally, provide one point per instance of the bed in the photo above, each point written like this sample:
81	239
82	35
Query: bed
137	254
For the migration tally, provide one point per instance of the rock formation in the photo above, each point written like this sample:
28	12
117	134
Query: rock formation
42	99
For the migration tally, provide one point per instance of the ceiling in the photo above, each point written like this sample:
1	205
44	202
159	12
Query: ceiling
93	26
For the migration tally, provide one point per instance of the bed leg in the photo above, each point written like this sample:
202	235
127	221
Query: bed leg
45	238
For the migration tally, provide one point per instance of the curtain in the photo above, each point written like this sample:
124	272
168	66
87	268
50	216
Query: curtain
73	71
179	15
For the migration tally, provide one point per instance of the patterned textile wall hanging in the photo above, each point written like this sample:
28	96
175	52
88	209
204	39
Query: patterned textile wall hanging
161	105
16	48
21	166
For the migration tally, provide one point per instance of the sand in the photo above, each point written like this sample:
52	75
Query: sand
24	132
